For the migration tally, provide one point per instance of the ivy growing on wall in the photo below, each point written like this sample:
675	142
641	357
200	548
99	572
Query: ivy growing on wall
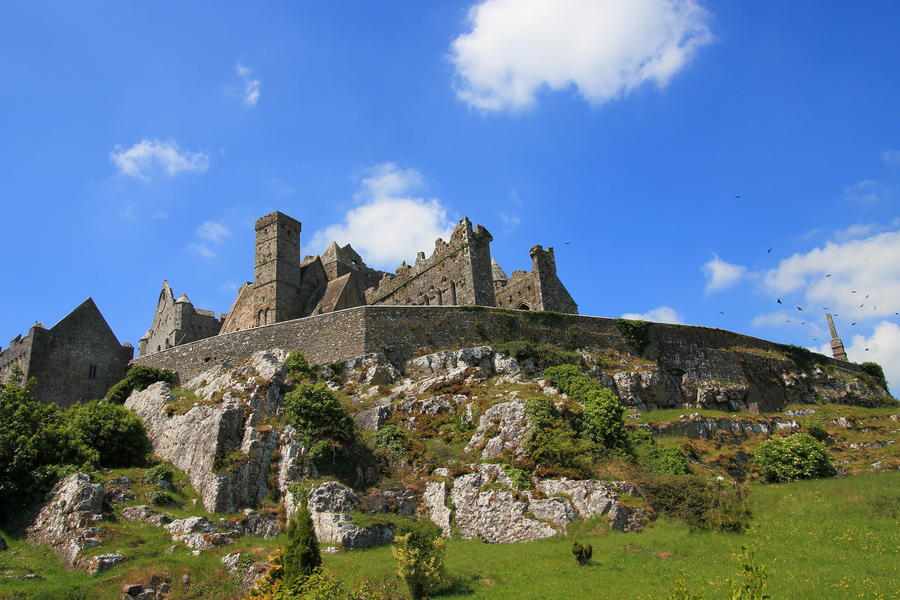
635	334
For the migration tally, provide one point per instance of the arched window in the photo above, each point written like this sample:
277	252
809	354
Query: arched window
452	293
523	306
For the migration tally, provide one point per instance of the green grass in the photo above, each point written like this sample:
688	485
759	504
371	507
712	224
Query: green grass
833	538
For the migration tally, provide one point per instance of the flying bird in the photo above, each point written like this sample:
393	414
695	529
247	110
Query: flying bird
769	251
829	275
721	313
867	296
778	301
853	323
798	308
739	196
852	291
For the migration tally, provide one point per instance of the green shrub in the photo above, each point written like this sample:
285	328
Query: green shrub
582	553
298	367
700	504
316	413
520	479
750	582
802	357
797	456
301	551
601	419
543	355
817	430
160	498
109	434
662	460
875	371
419	549
553	447
159	473
636	334
392	439
139	377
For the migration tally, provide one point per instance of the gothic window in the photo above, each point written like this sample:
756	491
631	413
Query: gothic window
523	306
440	298
453	293
92	371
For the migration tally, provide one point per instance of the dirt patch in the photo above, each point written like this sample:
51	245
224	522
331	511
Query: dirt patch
664	555
633	549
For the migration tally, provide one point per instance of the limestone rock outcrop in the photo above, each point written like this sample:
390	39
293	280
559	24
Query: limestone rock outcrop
503	426
68	523
485	505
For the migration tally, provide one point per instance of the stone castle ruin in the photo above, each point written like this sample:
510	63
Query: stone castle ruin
459	272
77	359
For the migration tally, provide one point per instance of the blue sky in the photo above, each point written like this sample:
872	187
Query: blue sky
141	140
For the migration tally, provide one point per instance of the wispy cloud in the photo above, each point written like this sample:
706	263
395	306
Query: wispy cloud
721	275
660	314
866	191
602	48
251	85
854	231
390	224
148	158
891	157
210	233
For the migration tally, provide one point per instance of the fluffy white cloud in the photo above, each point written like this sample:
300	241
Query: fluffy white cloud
149	157
721	275
891	157
603	48
857	279
390	224
202	249
251	85
212	231
883	347
660	314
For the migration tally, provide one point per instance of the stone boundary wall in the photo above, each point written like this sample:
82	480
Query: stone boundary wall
402	332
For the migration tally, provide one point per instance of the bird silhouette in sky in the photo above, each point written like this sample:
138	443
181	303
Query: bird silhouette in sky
739	196
721	313
769	251
829	275
861	305
800	309
852	291
778	301
853	323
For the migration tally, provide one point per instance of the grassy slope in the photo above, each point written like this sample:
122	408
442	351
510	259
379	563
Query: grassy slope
819	539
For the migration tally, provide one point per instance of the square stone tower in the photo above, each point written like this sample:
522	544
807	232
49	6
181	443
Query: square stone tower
276	274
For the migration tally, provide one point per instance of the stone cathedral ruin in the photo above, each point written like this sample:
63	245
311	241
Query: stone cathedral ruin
459	272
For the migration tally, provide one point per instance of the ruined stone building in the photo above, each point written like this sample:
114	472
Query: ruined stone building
76	360
177	322
458	272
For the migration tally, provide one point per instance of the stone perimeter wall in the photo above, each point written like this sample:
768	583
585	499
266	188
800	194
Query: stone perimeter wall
402	332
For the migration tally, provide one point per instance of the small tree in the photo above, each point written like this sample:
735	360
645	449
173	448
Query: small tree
301	552
419	550
582	553
797	456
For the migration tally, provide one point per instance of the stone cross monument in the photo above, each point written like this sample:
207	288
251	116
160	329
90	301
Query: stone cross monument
837	346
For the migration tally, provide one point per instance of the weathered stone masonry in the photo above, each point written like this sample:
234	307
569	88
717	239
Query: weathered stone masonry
402	332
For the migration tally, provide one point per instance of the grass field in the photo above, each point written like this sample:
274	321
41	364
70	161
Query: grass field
835	538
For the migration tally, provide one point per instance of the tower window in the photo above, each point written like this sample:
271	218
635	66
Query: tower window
92	371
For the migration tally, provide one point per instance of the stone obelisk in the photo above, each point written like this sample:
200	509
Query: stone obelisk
837	346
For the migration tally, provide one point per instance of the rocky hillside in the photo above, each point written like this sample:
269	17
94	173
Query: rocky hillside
475	439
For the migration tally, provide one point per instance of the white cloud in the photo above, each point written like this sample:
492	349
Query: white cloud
891	157
602	48
212	231
390	224
149	157
721	275
660	314
202	249
854	231
866	191
251	86
510	222
840	276
883	347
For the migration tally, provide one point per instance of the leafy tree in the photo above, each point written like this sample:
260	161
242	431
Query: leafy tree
108	435
874	370
419	549
298	367
797	456
301	552
139	377
602	420
316	413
